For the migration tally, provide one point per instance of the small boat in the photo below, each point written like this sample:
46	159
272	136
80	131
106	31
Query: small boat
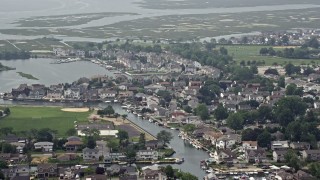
124	107
115	100
107	101
122	163
150	120
139	115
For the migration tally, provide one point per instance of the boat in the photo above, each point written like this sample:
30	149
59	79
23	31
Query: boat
139	115
150	120
115	100
107	101
134	113
211	154
122	163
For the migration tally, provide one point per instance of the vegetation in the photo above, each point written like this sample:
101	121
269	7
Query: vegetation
164	137
25	118
5	68
28	76
7	55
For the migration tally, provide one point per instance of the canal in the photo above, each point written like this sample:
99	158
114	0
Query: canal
183	149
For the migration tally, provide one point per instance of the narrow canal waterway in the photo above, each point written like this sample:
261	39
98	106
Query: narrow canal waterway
183	149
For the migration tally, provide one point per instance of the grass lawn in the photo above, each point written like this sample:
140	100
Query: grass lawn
26	118
251	52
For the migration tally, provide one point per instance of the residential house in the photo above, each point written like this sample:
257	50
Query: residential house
44	146
255	155
149	174
300	145
103	149
283	175
250	145
105	129
212	136
153	145
90	154
54	94
72	93
125	94
279	145
18	170
279	155
96	177
73	144
224	155
37	94
47	170
104	94
301	175
313	155
225	142
147	155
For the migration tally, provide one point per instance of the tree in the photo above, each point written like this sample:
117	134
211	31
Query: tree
314	169
221	112
3	164
124	117
100	170
164	136
6	131
291	69
292	159
264	139
264	113
250	134
169	171
142	141
187	109
281	82
122	135
290	89
202	111
116	115
189	128
271	71
285	40
235	121
186	176
6	111
45	134
130	152
71	132
91	142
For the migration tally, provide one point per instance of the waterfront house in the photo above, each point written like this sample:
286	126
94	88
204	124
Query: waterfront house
153	144
90	154
44	146
37	94
54	94
225	142
301	175
313	155
102	147
47	171
22	89
106	93
278	155
255	155
283	175
143	155
96	177
224	155
72	93
73	144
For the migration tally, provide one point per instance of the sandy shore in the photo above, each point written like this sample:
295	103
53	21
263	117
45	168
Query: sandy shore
75	109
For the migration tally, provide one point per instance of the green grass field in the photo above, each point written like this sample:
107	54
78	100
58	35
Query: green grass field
251	52
26	118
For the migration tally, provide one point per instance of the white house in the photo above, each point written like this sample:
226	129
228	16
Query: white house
225	142
45	146
249	145
72	93
147	155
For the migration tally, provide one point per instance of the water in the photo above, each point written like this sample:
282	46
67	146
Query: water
47	73
184	150
13	10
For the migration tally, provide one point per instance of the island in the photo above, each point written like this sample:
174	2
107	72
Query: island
5	68
28	76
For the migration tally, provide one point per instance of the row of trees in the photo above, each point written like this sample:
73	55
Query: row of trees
7	55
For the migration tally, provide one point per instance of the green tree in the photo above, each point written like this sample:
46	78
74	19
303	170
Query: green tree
202	111
281	82
91	142
221	112
235	121
264	139
169	171
71	132
314	169
189	128
3	164
164	137
142	141
292	159
264	113
186	176
122	135
290	89
124	117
